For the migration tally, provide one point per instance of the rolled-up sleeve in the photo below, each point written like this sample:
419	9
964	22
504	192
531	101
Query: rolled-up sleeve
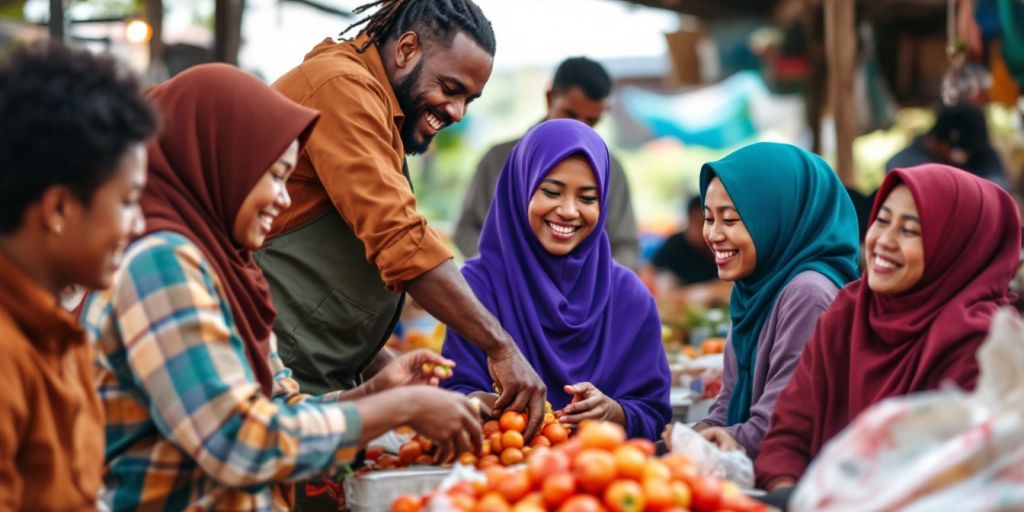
361	171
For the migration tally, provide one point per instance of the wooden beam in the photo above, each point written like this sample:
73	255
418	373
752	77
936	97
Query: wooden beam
227	26
157	52
841	52
57	19
709	9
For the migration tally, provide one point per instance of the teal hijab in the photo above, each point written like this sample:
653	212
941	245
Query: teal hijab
800	218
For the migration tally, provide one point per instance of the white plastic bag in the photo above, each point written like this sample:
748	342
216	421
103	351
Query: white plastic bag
710	460
935	451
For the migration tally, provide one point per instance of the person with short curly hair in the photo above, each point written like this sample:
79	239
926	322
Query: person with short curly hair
72	170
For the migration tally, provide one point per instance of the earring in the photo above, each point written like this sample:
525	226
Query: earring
57	228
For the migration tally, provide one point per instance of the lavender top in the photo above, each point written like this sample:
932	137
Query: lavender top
779	347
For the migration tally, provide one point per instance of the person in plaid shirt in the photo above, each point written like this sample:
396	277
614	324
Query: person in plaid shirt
200	412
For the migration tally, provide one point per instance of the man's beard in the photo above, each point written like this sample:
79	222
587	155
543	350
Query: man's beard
412	110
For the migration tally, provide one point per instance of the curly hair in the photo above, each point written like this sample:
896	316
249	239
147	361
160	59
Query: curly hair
440	20
67	117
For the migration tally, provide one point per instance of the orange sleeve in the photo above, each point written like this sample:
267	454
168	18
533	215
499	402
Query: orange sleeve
352	152
14	418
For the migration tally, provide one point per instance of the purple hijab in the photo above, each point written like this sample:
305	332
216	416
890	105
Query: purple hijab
579	317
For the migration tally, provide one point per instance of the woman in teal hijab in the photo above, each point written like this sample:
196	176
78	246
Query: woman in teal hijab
784	231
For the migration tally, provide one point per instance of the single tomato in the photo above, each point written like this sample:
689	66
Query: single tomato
539	441
468	459
488	461
510	456
555	432
557	488
408	453
644	445
594	470
707	493
461	501
629	462
491	427
495	442
512	439
492	502
658	492
545	462
407	504
512	420
515	485
494	476
655	469
581	503
604	435
625	496
682	496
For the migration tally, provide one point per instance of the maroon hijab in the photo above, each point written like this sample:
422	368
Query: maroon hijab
223	129
870	346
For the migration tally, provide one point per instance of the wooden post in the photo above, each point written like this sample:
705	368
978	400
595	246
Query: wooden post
841	52
157	54
57	19
227	26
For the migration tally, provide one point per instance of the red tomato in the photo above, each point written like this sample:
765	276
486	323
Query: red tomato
491	427
539	441
510	456
492	502
545	462
512	439
659	493
373	452
707	493
603	434
461	501
515	485
556	433
407	504
644	445
557	488
512	420
681	494
408	453
581	503
594	470
625	496
629	462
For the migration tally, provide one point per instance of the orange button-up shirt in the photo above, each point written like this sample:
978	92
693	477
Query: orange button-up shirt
353	161
51	423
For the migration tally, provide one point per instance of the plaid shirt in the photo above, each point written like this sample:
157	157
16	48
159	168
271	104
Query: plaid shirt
186	424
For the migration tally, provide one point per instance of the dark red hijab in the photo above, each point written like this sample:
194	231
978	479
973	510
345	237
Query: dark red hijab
223	129
870	346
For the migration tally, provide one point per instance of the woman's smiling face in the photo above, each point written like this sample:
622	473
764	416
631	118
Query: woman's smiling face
726	235
565	208
895	252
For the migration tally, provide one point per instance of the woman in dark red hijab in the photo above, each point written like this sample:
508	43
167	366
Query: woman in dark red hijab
941	249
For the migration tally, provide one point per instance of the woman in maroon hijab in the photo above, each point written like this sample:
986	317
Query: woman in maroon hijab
941	249
200	412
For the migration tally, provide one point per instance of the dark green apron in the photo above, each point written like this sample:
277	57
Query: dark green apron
333	311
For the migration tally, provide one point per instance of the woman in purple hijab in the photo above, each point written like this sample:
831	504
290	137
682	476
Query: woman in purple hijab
587	325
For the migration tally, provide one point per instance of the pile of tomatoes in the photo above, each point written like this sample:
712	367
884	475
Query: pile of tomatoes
596	470
504	443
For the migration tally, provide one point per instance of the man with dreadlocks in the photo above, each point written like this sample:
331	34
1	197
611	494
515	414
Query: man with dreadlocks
340	258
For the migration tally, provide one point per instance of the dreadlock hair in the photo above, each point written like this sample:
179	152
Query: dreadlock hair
440	20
